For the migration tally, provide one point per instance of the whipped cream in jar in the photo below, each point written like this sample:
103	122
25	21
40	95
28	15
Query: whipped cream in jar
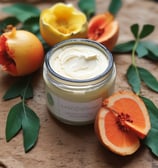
78	74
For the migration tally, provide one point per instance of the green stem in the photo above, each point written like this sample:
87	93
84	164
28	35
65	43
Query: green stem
134	51
25	90
134	58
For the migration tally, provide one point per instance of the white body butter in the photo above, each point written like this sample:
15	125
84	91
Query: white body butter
79	74
79	62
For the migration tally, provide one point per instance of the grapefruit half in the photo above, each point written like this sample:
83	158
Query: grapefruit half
121	122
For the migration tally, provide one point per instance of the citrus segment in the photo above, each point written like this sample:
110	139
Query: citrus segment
121	121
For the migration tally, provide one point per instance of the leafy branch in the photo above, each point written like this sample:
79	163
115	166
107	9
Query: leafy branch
136	75
143	49
20	116
134	70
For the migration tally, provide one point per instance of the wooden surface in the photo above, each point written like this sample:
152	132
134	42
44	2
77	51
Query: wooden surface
63	146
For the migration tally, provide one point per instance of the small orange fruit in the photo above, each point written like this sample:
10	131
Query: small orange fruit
104	29
21	52
121	122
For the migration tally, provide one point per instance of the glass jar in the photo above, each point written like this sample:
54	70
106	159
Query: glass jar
76	101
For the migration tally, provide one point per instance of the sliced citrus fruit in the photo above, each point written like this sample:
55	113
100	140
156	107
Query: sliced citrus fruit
61	22
121	122
104	29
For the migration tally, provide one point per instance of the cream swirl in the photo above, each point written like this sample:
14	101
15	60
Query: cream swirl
78	62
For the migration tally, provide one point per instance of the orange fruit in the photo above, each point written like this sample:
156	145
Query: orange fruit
21	52
121	121
104	29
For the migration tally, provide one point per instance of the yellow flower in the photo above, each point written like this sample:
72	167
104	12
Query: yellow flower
61	22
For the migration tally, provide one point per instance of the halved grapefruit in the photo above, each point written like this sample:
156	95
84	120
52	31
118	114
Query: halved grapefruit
121	122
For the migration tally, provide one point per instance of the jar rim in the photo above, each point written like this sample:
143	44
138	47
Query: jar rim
82	41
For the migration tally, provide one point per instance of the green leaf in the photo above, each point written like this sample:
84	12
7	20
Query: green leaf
124	47
22	11
88	7
31	24
152	49
135	30
30	126
146	30
151	46
14	91
152	137
133	78
141	50
19	88
148	79
14	121
27	92
45	45
8	21
151	56
146	49
21	116
115	6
